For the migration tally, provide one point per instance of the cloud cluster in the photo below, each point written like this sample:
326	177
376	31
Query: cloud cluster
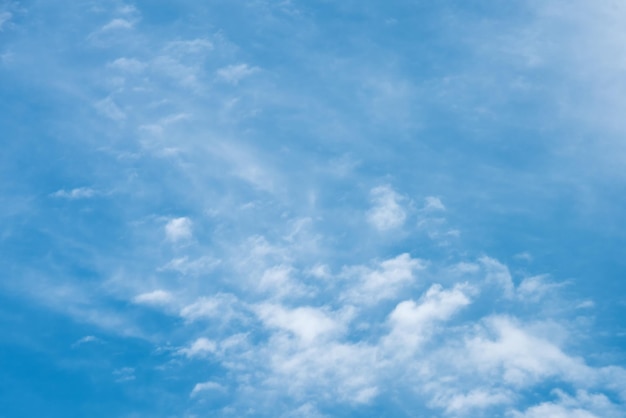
255	242
430	345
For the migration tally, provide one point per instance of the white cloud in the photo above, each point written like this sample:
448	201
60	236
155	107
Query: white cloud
313	347
320	271
384	282
156	297
514	356
183	62
582	405
194	267
184	74
348	372
524	256
127	9
128	65
78	193
189	47
464	403
206	387
248	164
199	348
124	374
551	410
85	340
306	323
413	323
178	229
387	212
433	204
278	282
235	73
308	410
463	268
586	304
497	273
432	221
536	287
116	24
218	306
110	109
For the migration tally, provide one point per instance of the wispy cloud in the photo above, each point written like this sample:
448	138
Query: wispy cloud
78	193
236	72
4	18
156	297
124	374
116	24
206	387
308	215
86	340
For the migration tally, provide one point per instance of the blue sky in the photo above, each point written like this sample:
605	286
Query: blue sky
312	208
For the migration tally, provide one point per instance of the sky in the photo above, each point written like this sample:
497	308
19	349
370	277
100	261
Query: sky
297	208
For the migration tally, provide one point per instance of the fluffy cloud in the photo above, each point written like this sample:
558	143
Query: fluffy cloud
178	229
387	211
306	323
412	323
582	405
384	282
199	348
517	357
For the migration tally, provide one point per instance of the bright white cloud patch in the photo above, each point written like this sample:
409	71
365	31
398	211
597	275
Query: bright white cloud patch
199	348
178	229
412	323
156	297
306	323
582	405
383	282
387	211
521	358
